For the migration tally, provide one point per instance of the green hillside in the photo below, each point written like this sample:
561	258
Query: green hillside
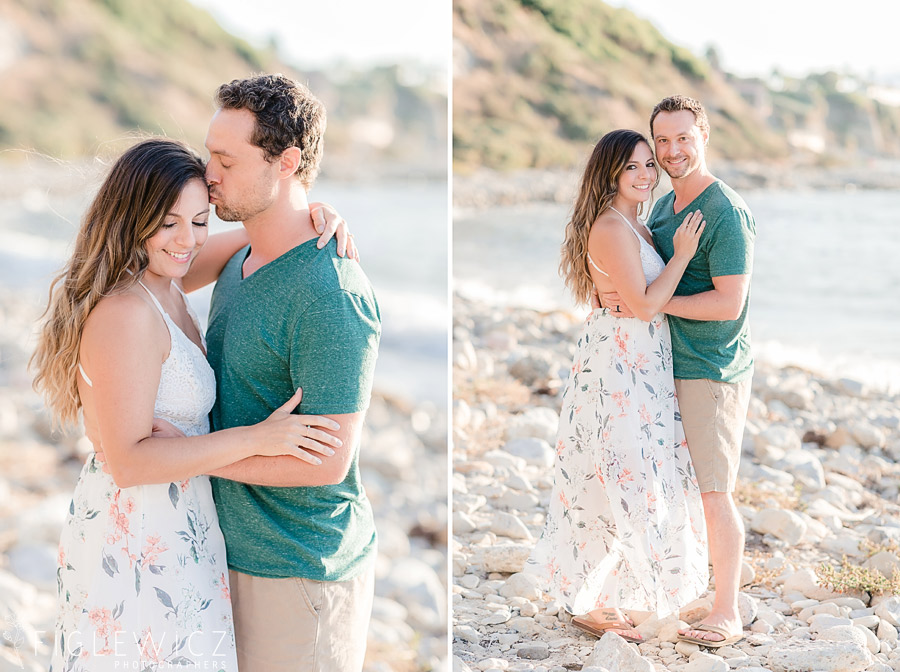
536	82
80	74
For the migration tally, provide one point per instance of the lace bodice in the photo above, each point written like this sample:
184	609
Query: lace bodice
187	385
651	262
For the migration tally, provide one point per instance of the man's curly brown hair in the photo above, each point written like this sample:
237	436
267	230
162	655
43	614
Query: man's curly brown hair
287	115
677	104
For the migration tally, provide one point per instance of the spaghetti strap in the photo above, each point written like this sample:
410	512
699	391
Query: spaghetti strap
155	300
84	375
630	227
596	268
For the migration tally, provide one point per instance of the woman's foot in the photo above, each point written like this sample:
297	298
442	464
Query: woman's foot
600	621
714	631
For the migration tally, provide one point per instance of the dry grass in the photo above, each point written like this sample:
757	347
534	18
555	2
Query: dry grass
752	494
849	577
506	392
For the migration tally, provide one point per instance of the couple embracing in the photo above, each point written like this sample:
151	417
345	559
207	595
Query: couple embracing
653	412
144	579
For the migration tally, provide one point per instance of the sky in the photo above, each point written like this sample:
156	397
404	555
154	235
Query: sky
355	32
805	37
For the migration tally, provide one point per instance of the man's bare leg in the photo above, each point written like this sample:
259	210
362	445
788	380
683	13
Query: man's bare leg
725	531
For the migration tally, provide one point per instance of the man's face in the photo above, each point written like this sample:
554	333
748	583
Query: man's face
242	183
679	142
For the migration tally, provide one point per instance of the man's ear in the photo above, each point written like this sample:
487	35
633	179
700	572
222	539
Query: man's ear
289	161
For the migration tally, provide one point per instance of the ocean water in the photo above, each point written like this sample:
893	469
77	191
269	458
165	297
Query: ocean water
400	229
825	286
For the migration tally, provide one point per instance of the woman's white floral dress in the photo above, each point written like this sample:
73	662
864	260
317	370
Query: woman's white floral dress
625	524
143	578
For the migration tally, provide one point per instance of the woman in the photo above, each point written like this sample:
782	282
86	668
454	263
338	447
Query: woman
625	527
143	574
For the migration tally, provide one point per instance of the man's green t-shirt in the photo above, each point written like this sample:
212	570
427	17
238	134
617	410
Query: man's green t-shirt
307	319
718	350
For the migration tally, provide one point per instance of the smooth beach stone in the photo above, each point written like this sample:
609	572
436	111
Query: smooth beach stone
870	621
886	632
503	458
872	641
704	662
522	585
686	648
866	434
884	562
767	614
822	622
615	653
842	633
507	558
517	481
467	633
824	608
535	368
535	451
805	467
492	664
534	651
889	610
510	526
528	626
469	581
668	633
468	503
819	656
748	574
782	524
529	609
804	581
748	607
517	501
762	627
459	665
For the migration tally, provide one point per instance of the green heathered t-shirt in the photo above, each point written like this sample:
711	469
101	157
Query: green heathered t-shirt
718	350
307	319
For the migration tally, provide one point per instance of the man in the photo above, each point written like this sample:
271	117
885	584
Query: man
287	315
711	354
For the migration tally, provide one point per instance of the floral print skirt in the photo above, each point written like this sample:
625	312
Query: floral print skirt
143	579
625	524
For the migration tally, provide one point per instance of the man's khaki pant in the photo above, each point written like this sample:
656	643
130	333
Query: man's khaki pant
300	625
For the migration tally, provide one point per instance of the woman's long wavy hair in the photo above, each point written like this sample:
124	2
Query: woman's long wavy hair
140	190
599	186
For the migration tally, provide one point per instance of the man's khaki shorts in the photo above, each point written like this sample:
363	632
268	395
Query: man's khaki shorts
713	414
289	625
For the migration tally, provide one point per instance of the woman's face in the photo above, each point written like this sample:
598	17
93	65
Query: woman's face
639	175
184	231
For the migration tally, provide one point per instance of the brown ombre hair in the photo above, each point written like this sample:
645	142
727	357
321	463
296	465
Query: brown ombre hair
130	207
599	185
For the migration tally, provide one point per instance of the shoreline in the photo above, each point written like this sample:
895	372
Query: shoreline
819	480
487	188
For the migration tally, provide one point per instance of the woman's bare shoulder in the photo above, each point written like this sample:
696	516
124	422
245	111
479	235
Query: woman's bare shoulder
124	316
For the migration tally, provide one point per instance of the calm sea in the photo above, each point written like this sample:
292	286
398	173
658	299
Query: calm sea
401	231
825	285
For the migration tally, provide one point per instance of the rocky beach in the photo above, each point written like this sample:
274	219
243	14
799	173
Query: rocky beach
818	494
404	470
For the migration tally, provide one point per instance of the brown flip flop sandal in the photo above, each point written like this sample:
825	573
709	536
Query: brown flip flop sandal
598	629
715	629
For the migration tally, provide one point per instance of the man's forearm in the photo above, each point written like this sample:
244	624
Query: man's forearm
706	306
281	471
